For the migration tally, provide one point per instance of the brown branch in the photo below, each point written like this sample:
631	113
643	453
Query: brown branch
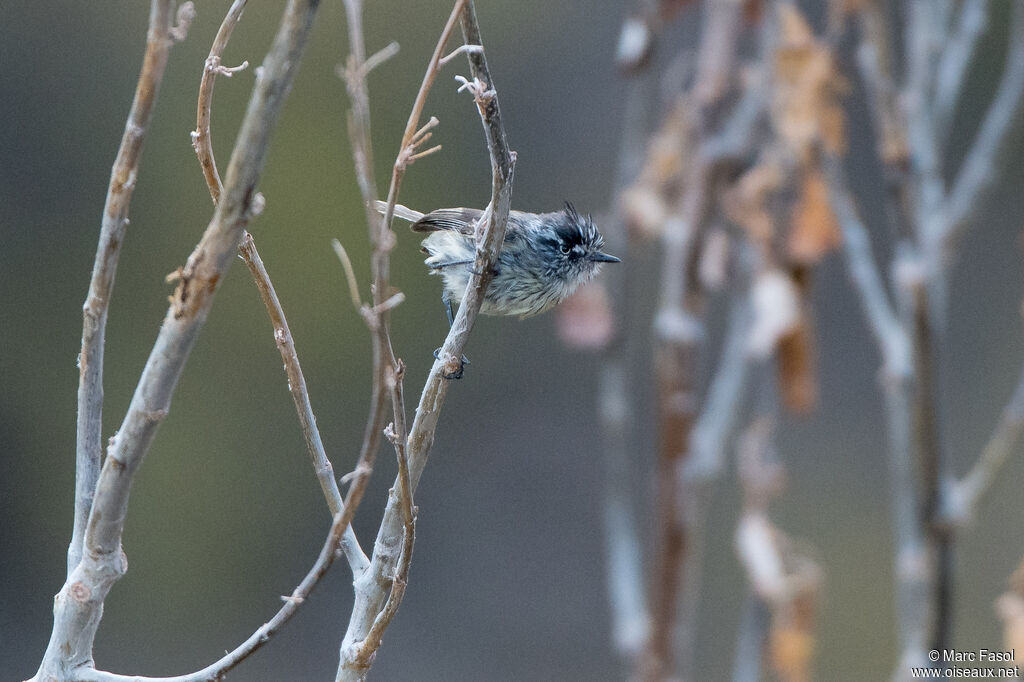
123	177
373	586
203	145
201	135
678	329
382	238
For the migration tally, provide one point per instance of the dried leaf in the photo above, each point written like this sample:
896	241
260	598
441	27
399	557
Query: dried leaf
815	230
805	107
585	318
797	367
746	203
645	205
776	304
792	652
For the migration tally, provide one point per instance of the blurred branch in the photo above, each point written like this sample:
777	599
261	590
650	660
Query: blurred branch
372	588
123	176
630	620
78	606
968	492
978	171
785	580
203	145
957	56
866	279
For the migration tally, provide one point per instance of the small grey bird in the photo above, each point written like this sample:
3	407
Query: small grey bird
543	259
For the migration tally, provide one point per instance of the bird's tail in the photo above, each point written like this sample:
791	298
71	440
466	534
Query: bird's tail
400	211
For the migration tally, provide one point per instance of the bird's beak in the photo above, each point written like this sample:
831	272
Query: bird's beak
601	257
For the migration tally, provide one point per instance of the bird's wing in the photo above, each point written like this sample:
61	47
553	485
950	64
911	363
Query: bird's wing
458	220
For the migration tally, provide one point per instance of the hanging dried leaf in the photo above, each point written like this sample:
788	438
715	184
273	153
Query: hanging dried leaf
746	202
805	107
792	638
815	230
1010	608
645	205
776	304
797	367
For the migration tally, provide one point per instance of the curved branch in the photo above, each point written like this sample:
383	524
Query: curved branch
78	606
219	669
203	145
373	586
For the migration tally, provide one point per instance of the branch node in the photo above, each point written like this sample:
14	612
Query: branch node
482	94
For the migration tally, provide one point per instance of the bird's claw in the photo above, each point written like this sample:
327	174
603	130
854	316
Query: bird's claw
451	369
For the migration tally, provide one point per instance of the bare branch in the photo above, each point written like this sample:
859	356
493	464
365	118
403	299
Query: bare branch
123	176
957	56
978	171
382	238
300	396
350	274
867	281
203	145
201	135
218	670
725	398
78	606
372	586
967	494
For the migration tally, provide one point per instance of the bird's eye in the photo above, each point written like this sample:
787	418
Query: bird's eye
564	248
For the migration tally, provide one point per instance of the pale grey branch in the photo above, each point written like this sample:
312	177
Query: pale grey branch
978	171
957	56
373	586
968	493
78	606
123	176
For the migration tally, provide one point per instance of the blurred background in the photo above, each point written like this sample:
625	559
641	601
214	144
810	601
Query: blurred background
507	580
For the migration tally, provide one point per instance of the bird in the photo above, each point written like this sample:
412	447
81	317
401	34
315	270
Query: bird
544	258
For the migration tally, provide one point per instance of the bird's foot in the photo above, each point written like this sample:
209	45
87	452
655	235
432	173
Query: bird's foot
453	368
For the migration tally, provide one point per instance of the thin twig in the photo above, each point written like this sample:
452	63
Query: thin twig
201	135
123	176
978	171
372	587
968	493
79	604
350	273
203	145
300	396
679	329
218	670
867	280
957	56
